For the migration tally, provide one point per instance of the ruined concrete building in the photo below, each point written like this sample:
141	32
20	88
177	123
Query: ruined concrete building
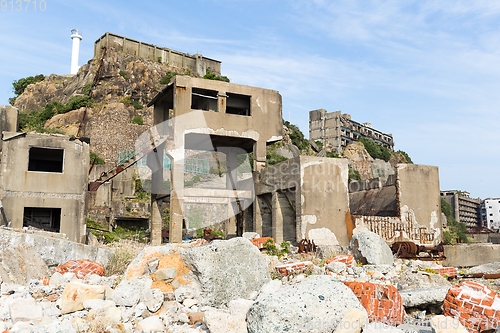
43	182
463	208
196	63
204	115
336	130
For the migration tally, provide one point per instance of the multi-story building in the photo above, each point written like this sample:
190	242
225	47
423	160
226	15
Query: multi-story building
464	208
336	130
490	213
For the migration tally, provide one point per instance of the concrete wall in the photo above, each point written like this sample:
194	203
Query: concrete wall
419	195
196	63
67	190
8	120
315	188
468	255
409	210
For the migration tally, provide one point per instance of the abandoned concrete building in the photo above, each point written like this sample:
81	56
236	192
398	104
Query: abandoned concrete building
464	208
308	197
231	118
335	130
43	182
196	63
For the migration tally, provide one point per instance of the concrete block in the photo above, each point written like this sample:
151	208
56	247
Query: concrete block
468	255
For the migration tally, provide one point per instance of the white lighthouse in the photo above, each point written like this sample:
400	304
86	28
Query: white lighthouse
76	37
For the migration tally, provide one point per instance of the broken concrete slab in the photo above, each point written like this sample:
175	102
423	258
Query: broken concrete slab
423	297
227	269
369	248
317	303
468	255
21	264
53	248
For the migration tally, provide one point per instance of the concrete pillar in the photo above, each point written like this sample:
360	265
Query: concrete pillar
155	163
156	221
176	199
277	219
257	216
259	156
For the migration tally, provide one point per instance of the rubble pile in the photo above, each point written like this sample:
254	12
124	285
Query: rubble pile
231	286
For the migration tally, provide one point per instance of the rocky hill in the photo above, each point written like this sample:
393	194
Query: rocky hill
126	84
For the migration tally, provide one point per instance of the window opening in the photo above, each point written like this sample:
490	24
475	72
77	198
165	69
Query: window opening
42	218
46	159
238	104
203	99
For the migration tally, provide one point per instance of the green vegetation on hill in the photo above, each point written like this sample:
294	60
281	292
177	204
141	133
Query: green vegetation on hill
375	150
98	160
21	84
296	136
34	120
456	230
405	157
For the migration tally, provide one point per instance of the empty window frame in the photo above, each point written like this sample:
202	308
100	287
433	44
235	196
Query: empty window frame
46	159
203	99
42	218
238	104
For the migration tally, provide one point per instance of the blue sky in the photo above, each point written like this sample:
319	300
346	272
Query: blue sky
426	71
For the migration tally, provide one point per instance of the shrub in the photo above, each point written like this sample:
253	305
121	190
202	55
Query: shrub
137	120
354	175
137	105
375	150
319	144
405	156
167	77
212	76
98	160
124	75
332	154
159	59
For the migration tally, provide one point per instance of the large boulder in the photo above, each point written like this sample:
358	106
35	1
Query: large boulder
22	263
369	248
421	289
227	270
316	304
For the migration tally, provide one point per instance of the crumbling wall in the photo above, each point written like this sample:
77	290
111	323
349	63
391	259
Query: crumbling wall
314	188
8	120
406	210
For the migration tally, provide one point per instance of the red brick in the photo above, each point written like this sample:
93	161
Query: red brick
346	259
259	242
296	267
381	302
81	268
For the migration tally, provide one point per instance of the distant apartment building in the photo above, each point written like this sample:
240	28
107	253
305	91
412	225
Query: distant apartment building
490	213
336	130
464	208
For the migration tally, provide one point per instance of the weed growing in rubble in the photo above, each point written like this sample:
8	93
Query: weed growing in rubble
137	120
428	270
124	75
272	249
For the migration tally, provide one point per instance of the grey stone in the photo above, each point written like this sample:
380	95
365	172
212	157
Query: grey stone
125	296
250	235
284	152
25	309
166	274
336	267
183	293
223	322
151	266
153	299
227	269
493	267
151	324
423	297
317	303
54	251
21	264
414	280
369	248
